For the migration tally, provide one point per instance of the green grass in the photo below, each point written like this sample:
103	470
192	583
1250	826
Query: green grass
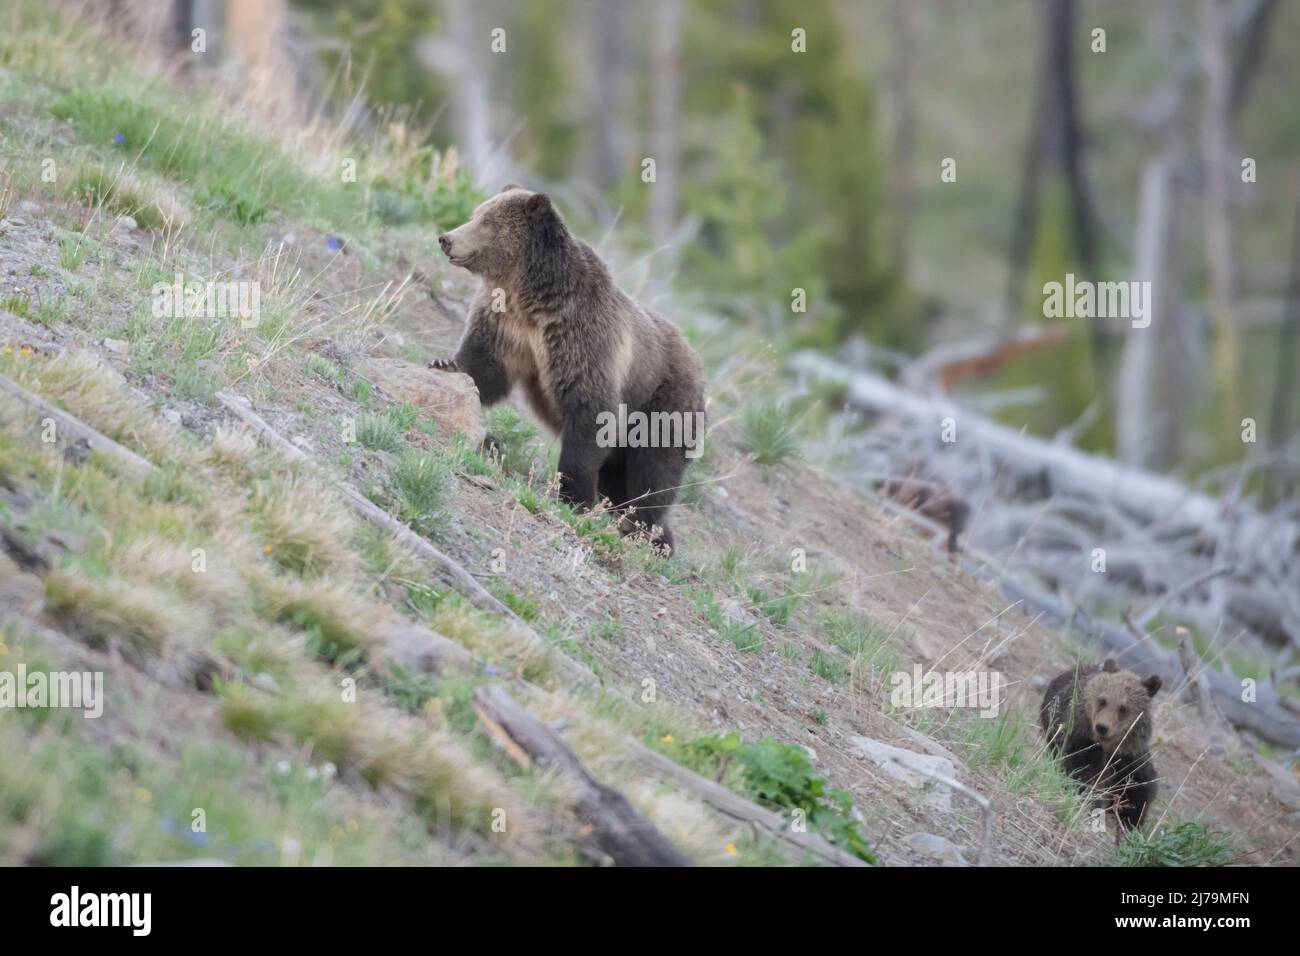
1183	844
72	252
422	483
514	439
769	432
379	433
97	185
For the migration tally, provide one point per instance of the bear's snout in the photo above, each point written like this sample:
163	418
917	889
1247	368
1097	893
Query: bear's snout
445	241
1102	730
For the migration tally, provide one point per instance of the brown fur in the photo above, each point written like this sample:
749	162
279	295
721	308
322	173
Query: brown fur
550	319
1098	721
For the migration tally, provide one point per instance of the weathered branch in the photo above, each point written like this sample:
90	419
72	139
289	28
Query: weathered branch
242	410
79	429
616	828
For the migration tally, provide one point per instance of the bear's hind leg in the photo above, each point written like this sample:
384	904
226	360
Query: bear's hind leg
611	481
654	476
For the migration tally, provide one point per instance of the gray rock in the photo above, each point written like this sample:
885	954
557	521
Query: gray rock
937	848
899	763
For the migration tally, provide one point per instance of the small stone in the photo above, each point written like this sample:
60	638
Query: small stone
117	346
936	847
172	415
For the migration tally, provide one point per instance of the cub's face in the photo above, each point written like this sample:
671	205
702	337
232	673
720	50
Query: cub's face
1114	701
495	241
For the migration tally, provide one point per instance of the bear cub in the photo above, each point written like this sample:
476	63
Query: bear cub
1098	721
549	318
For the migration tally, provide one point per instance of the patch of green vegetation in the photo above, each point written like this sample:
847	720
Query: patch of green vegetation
526	608
781	775
379	433
610	629
18	304
193	384
233	172
769	432
319	365
72	252
119	193
776	609
829	667
514	438
229	201
422	482
1184	844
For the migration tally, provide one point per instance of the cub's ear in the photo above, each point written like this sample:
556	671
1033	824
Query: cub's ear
1153	684
507	187
1109	666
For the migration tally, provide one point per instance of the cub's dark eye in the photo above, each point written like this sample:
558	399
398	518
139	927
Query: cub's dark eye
1123	710
1101	702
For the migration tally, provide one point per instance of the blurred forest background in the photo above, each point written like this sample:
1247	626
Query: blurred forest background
1163	147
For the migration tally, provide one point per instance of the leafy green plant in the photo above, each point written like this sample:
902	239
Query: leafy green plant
781	775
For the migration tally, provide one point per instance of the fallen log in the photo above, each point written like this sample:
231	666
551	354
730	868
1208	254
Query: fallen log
479	595
628	838
69	425
808	846
1066	469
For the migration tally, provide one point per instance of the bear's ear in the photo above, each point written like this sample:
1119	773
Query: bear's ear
537	205
507	187
1153	684
1109	666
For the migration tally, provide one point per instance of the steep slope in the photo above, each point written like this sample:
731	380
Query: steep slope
267	690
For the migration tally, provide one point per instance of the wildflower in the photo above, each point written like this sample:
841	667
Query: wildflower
333	243
266	549
731	849
143	796
26	350
666	738
119	139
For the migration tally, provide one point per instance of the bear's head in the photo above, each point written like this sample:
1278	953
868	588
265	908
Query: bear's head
508	237
1117	706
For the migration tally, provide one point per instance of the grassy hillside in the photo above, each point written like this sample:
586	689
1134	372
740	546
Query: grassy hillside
244	617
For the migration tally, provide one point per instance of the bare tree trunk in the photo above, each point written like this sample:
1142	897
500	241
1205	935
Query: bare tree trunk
467	74
1256	23
666	80
1285	387
607	154
1218	217
1055	142
1151	388
904	22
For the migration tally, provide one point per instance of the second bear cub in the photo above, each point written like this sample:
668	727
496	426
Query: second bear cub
1098	721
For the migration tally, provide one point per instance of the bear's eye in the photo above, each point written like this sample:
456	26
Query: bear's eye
1101	702
1123	709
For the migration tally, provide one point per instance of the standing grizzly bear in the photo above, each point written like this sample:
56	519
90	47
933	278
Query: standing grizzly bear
549	317
1099	720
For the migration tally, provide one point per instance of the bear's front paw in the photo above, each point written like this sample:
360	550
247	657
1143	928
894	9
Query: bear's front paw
444	365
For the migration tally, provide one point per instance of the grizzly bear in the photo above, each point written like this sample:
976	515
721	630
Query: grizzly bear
549	318
1098	719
